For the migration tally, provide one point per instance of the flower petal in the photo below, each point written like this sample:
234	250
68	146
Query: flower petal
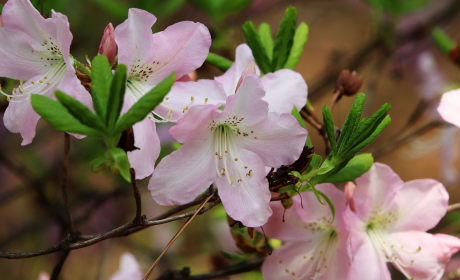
229	79
376	189
449	107
21	117
134	38
428	262
181	47
63	37
146	139
278	140
247	201
247	104
72	86
129	269
415	200
184	95
184	174
284	90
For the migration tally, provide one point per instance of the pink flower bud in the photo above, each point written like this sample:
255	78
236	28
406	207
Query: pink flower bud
108	47
348	190
251	68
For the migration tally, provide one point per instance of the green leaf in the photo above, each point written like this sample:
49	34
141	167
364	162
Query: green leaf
314	163
300	39
356	167
329	202
326	167
308	143
258	50
442	40
116	96
220	62
58	117
101	78
233	257
299	119
218	9
316	192
266	38
121	163
284	39
80	112
1	8
145	105
330	128
385	122
351	122
98	165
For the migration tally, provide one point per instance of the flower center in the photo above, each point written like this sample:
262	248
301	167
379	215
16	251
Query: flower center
391	251
50	80
314	263
227	157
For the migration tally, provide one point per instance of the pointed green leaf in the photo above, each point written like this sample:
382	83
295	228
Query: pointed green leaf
385	122
98	165
330	128
145	105
329	202
58	117
300	39
116	96
80	112
326	167
284	39
258	50
266	38
101	78
121	163
218	61
356	167
351	122
299	119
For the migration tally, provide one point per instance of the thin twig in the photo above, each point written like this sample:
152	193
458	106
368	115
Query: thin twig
146	276
137	197
453	207
63	184
58	267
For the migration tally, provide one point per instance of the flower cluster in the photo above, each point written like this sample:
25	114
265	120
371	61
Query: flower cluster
379	220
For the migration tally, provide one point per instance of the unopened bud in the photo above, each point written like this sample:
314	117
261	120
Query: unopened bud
251	68
348	190
1	22
348	83
108	46
455	55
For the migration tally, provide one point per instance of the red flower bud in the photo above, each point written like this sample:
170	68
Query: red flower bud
348	83
108	47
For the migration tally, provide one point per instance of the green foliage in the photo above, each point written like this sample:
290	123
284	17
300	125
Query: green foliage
356	167
398	7
442	40
298	117
219	9
258	49
266	38
220	62
300	39
69	115
284	39
1	8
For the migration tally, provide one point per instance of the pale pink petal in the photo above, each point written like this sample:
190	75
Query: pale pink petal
185	78
194	125
229	79
18	60
184	95
20	117
134	38
375	190
449	107
129	269
246	201
348	190
181	47
20	15
292	228
427	253
184	174
43	276
72	86
278	140
367	263
146	139
284	90
63	37
415	200
246	107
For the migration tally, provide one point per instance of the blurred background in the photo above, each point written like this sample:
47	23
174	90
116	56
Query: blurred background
389	45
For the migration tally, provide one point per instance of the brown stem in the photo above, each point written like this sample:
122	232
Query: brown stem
146	276
137	196
453	207
63	184
334	100
58	267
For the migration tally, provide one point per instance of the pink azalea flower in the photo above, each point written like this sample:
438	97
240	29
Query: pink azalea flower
129	269
284	88
389	225
37	50
449	108
229	148
43	276
182	47
315	245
